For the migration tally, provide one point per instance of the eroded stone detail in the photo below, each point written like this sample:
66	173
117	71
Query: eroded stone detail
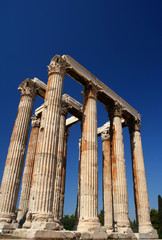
57	65
28	88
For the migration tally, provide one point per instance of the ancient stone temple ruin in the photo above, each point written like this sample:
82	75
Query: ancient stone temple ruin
43	182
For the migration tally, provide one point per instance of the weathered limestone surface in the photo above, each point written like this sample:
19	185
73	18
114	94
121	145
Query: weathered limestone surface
107	181
120	195
60	156
78	191
139	179
63	176
41	200
49	234
88	219
28	170
46	201
16	154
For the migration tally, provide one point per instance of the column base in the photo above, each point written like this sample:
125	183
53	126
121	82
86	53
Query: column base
124	231
108	228
90	224
46	225
7	217
8	222
122	227
42	222
43	225
8	227
147	230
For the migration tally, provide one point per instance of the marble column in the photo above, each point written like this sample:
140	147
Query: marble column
139	178
40	212
78	193
63	176
88	220
107	180
119	180
28	170
16	154
60	156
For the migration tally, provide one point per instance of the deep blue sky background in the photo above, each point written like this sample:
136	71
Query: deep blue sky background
120	42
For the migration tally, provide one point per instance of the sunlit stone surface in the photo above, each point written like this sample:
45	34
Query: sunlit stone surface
28	170
43	184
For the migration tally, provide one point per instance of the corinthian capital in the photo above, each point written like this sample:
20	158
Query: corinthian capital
28	88
134	124
114	110
117	109
35	121
105	135
90	91
57	65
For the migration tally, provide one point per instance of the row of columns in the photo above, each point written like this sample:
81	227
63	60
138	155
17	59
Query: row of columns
43	184
38	186
115	196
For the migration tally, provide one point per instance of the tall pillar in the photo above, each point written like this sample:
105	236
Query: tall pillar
107	180
119	180
139	179
78	193
41	201
61	206
88	219
16	154
28	170
60	156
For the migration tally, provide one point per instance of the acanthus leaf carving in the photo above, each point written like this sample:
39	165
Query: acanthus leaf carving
28	88
57	65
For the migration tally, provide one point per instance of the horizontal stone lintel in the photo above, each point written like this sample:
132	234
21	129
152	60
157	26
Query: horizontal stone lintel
105	94
74	107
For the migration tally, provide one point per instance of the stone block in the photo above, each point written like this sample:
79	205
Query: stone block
8	227
46	225
113	235
86	235
100	235
49	234
44	234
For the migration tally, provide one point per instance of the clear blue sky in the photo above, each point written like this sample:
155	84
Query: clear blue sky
120	42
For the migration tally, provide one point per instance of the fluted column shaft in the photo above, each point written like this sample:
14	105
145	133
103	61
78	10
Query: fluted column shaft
16	153
139	179
78	193
88	219
28	170
107	181
42	191
63	176
120	194
60	156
